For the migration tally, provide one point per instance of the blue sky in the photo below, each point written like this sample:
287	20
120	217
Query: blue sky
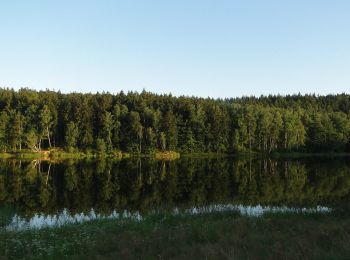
186	47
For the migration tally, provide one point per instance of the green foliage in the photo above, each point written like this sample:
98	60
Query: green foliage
15	130
146	122
32	141
101	146
162	141
71	136
45	123
3	133
150	140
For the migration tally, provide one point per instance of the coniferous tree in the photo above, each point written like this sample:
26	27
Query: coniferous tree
3	133
71	136
146	122
106	129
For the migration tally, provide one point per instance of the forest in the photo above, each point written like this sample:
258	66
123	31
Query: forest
146	122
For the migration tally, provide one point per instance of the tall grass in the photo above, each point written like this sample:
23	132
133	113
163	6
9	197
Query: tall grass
218	235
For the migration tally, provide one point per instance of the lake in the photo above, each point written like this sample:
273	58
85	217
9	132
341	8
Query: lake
36	193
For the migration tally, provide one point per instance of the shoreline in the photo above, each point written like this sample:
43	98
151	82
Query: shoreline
59	154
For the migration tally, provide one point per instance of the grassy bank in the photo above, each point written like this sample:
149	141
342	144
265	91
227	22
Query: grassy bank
225	235
167	155
60	154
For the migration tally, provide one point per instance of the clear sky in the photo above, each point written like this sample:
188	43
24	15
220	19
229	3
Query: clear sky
217	48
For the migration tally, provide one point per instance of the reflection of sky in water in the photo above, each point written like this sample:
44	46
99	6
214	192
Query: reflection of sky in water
42	221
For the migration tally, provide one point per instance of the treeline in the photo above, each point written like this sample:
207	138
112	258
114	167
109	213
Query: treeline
146	122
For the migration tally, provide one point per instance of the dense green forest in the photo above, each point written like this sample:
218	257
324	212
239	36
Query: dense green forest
145	122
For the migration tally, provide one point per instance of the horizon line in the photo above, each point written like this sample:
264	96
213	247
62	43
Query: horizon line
17	89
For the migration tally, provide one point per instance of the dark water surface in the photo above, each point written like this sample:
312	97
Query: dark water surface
33	192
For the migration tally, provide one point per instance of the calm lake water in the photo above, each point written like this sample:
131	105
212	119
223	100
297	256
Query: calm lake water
40	193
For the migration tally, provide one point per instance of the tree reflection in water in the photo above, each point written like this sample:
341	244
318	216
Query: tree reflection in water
141	185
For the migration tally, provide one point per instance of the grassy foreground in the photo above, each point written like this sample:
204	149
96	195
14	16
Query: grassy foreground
207	236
